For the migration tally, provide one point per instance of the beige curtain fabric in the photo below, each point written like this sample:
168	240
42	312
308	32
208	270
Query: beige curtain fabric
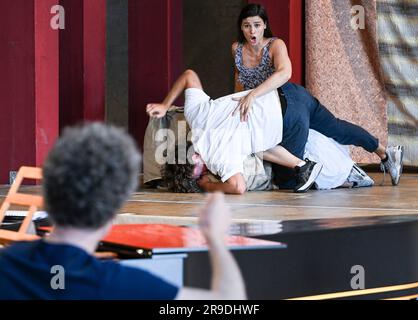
342	66
175	123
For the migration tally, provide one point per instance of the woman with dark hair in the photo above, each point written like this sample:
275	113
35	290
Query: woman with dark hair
261	60
254	10
262	64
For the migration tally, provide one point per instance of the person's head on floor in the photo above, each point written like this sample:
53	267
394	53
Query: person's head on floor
89	173
183	169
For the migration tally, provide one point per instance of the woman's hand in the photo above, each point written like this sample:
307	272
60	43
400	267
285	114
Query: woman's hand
157	110
245	104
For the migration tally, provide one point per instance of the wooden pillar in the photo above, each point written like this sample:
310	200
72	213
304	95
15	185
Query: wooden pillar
155	56
82	62
287	23
28	83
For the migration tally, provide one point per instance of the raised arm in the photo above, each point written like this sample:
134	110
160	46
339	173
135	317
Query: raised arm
283	68
237	85
234	185
188	79
227	282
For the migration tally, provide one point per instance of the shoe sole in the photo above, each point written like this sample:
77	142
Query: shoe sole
365	182
364	185
395	183
315	173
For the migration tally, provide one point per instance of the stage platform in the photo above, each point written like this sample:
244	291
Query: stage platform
327	233
283	205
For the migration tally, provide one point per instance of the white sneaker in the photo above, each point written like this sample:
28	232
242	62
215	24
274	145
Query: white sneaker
393	164
358	178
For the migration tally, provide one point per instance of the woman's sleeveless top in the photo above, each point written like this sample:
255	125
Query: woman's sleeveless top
253	77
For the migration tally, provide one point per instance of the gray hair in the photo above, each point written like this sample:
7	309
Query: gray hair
89	173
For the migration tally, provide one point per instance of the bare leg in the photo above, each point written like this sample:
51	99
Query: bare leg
281	156
381	152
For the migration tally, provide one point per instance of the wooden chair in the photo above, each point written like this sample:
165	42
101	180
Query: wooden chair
13	197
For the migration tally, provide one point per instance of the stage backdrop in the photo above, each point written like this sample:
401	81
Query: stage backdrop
398	46
342	66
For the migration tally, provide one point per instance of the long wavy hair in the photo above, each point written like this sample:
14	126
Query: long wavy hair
179	177
253	10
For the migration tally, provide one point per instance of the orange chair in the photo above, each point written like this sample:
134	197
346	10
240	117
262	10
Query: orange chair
13	197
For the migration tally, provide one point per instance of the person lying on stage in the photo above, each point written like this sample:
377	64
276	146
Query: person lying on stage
88	175
339	170
161	170
223	141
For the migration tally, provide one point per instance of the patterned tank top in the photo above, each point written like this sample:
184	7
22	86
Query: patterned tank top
253	77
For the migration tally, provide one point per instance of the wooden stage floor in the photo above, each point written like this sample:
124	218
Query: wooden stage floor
161	206
285	205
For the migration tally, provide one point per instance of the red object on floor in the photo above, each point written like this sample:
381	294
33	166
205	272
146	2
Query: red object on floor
169	238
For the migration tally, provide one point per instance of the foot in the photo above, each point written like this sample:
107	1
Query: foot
394	163
358	178
306	175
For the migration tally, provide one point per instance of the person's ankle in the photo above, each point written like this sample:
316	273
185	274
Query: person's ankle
300	164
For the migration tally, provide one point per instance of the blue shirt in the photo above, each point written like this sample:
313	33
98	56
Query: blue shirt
25	273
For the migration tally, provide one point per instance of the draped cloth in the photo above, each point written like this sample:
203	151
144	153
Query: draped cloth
343	69
398	46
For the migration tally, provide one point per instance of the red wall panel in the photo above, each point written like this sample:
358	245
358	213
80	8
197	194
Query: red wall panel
82	62
46	80
94	46
155	56
16	85
287	23
28	83
71	64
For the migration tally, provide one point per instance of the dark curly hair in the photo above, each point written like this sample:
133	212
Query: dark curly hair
253	10
88	174
179	177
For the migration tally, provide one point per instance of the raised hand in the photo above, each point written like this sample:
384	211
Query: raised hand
215	218
244	106
156	110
